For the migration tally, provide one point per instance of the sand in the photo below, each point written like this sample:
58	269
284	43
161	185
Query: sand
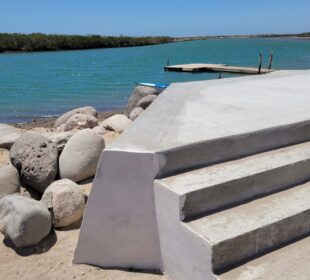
4	156
52	259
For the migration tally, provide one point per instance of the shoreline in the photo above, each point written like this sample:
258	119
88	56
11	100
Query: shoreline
48	122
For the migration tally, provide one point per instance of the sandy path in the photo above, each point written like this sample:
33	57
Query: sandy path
53	260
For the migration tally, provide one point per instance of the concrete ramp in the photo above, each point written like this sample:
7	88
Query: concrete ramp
210	146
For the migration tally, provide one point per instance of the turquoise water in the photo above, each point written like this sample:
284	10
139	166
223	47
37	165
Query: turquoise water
50	83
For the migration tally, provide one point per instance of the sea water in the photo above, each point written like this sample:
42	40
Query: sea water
49	83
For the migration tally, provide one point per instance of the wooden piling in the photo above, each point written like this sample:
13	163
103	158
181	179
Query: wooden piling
260	63
270	60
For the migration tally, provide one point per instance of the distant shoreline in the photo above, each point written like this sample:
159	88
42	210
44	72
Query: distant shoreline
48	122
303	36
38	42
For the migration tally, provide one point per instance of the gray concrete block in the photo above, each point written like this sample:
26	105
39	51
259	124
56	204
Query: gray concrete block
211	188
242	232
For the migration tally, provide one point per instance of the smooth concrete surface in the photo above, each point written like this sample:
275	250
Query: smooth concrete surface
119	226
189	125
291	262
185	254
253	228
198	123
233	182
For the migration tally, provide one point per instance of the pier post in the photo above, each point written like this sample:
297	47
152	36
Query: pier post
260	62
270	60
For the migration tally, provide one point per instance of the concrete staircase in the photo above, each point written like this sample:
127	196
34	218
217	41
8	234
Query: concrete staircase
214	220
209	182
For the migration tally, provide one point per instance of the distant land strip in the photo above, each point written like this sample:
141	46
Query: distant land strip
305	35
17	42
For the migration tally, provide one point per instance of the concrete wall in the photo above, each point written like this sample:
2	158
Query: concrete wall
119	227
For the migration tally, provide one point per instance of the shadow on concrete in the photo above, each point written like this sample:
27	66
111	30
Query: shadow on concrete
44	246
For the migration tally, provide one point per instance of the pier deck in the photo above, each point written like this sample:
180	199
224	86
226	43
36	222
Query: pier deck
201	67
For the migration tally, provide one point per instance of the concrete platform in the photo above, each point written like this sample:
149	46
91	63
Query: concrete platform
290	263
253	228
132	222
191	122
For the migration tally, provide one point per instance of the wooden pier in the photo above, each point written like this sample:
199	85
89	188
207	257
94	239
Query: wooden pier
201	67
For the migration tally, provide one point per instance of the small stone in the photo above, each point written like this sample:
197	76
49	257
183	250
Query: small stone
9	180
35	157
23	220
80	121
117	123
66	201
60	139
146	101
84	110
79	159
136	113
138	93
100	130
8	135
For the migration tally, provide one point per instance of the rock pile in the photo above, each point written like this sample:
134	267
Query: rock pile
38	180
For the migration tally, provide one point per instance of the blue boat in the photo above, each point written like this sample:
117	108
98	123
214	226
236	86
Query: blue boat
159	86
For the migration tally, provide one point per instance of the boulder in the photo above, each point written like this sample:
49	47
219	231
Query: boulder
80	121
9	180
136	113
138	93
84	110
117	123
66	201
23	220
146	101
79	158
8	135
35	157
60	139
100	130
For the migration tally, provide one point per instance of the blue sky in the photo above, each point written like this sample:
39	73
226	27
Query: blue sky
157	17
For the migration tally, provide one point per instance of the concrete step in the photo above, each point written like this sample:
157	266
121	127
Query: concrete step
243	232
216	187
290	263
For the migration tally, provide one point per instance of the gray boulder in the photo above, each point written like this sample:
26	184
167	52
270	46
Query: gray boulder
138	93
136	113
23	220
8	135
146	101
79	158
9	180
84	110
35	157
60	139
117	123
80	121
66	201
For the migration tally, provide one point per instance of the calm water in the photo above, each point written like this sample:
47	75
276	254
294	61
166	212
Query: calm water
50	83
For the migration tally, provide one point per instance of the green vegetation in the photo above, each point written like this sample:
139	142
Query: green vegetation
307	34
42	42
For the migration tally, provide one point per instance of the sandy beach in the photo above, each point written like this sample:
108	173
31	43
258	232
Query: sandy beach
52	258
